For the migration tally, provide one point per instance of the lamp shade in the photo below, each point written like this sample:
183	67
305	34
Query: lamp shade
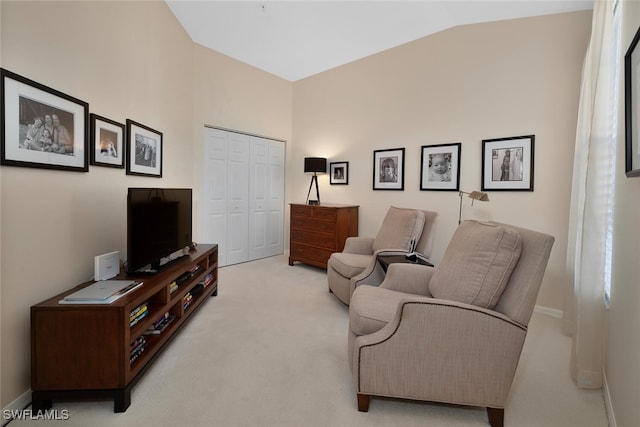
315	164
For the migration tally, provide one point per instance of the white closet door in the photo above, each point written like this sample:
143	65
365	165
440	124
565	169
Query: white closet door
266	196
258	194
214	216
275	216
244	196
238	198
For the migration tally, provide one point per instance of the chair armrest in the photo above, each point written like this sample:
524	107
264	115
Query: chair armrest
359	245
408	278
441	351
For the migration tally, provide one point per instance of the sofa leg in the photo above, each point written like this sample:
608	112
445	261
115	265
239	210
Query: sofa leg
496	417
363	402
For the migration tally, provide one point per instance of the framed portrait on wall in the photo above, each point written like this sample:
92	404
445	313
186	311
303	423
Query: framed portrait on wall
339	173
440	167
507	163
388	169
144	150
42	127
107	142
632	107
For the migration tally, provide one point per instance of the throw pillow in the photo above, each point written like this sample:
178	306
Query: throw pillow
400	229
477	264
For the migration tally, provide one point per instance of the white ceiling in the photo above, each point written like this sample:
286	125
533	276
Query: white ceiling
296	39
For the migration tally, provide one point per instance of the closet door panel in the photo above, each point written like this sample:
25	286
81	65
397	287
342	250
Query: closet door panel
214	217
238	199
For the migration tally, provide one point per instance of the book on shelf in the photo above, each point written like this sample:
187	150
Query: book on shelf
101	292
173	286
208	279
157	327
186	300
138	314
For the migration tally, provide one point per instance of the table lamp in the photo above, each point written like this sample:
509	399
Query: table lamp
315	165
474	195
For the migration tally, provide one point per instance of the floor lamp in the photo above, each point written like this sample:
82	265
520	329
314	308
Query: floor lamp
315	165
474	195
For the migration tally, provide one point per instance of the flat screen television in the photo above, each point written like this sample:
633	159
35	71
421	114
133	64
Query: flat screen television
158	226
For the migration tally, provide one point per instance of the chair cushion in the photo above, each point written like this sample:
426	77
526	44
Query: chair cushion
477	264
399	228
349	265
371	308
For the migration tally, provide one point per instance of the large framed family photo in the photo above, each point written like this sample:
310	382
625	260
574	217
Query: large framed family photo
632	107
144	150
507	163
388	169
107	139
440	167
42	127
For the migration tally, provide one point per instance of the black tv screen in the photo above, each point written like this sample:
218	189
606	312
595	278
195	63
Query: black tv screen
158	225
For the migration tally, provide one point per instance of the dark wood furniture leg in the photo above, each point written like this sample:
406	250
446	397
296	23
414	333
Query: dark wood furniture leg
363	402
496	417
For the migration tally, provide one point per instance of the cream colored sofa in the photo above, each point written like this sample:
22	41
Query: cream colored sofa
453	333
402	230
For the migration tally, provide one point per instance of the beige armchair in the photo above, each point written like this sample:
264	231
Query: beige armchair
453	333
402	230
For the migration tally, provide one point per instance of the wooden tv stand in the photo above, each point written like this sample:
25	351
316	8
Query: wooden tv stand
82	351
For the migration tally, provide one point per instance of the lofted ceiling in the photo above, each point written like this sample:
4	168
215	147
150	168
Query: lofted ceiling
297	39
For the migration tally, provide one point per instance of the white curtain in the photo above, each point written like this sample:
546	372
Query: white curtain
589	246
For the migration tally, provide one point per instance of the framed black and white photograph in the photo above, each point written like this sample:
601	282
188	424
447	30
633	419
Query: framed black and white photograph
339	173
440	167
388	169
507	163
632	107
42	127
107	142
144	150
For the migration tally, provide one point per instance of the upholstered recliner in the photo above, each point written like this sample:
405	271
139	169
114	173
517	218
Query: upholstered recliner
402	230
451	333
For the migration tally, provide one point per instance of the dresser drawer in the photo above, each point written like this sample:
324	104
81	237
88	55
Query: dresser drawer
316	212
326	241
310	254
312	224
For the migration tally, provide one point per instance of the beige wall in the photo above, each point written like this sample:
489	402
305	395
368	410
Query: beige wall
623	320
127	60
465	84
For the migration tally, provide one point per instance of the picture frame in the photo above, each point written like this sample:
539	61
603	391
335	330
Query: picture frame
41	126
388	169
339	173
107	142
632	107
144	150
507	163
440	167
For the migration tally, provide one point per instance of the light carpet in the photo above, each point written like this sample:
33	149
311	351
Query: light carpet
271	350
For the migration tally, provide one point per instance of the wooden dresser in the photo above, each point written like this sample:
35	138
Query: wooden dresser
317	231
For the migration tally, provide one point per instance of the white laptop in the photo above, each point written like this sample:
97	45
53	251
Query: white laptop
101	290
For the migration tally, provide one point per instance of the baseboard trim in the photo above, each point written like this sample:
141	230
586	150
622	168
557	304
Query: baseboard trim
607	401
548	311
19	404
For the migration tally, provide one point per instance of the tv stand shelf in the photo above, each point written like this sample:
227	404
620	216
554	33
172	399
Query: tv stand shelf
86	351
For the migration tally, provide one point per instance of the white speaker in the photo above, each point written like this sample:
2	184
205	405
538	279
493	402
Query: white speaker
107	266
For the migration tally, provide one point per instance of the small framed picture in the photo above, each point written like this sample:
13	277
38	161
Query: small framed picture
632	107
507	163
107	142
144	150
339	173
388	169
42	127
440	167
